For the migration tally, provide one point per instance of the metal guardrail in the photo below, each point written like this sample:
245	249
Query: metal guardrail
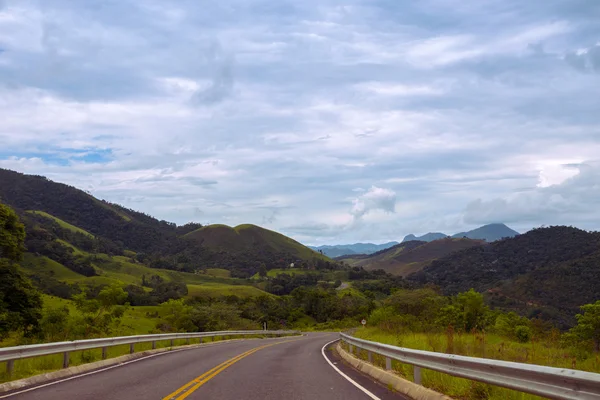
554	383
10	354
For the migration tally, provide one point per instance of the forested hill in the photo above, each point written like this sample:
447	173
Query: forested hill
49	208
547	270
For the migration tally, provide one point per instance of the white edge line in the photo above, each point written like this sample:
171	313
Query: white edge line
107	368
371	395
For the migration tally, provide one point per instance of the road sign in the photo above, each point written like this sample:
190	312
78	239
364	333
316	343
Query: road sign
364	322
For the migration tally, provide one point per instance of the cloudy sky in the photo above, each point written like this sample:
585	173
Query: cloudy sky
330	121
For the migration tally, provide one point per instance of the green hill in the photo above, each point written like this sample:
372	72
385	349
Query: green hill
409	257
250	238
547	272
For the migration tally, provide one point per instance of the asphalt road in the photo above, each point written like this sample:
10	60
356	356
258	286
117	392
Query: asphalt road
266	369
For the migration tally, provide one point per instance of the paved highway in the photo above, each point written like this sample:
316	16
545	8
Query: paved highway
267	369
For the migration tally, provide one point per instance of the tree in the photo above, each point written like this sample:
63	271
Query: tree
12	234
20	303
262	270
588	324
101	314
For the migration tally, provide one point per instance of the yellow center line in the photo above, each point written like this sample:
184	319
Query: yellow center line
193	385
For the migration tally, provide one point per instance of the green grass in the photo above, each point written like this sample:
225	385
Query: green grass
490	346
32	264
62	223
274	272
76	251
219	290
218	272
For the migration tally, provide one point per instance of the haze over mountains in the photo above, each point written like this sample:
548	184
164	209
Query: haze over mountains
356	248
489	233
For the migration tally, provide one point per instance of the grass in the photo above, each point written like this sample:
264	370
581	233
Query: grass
219	290
76	251
218	272
62	223
548	353
274	272
32	264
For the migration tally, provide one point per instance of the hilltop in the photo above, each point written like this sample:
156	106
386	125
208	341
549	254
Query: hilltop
547	272
356	248
250	238
408	257
489	233
428	237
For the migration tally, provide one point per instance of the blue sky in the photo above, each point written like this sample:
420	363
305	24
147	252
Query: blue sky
330	121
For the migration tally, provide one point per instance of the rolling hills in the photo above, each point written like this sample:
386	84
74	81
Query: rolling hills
75	241
409	257
64	220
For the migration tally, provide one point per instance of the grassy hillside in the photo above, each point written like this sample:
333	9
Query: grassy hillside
409	257
250	237
62	223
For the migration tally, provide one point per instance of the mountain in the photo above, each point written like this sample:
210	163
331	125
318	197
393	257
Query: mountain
356	248
489	233
546	272
409	257
428	237
58	216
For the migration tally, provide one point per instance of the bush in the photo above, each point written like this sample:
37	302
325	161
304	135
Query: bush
523	333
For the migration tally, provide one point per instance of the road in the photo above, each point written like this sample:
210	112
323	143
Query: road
265	369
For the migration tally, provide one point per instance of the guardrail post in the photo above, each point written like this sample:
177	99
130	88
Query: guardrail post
104	353
66	359
131	348
153	344
200	340
417	374
388	363
10	366
172	341
370	357
187	341
351	349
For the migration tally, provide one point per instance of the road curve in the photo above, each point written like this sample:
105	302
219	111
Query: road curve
266	369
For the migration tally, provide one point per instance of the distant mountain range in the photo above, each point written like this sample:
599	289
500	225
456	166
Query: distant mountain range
356	248
489	233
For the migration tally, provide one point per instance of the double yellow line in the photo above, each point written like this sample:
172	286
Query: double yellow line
192	386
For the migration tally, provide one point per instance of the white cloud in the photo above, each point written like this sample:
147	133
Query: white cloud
277	114
374	199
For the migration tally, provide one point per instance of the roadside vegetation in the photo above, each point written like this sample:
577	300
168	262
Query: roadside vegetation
425	320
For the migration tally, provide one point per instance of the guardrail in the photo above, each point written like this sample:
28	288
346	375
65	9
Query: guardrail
554	383
10	354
